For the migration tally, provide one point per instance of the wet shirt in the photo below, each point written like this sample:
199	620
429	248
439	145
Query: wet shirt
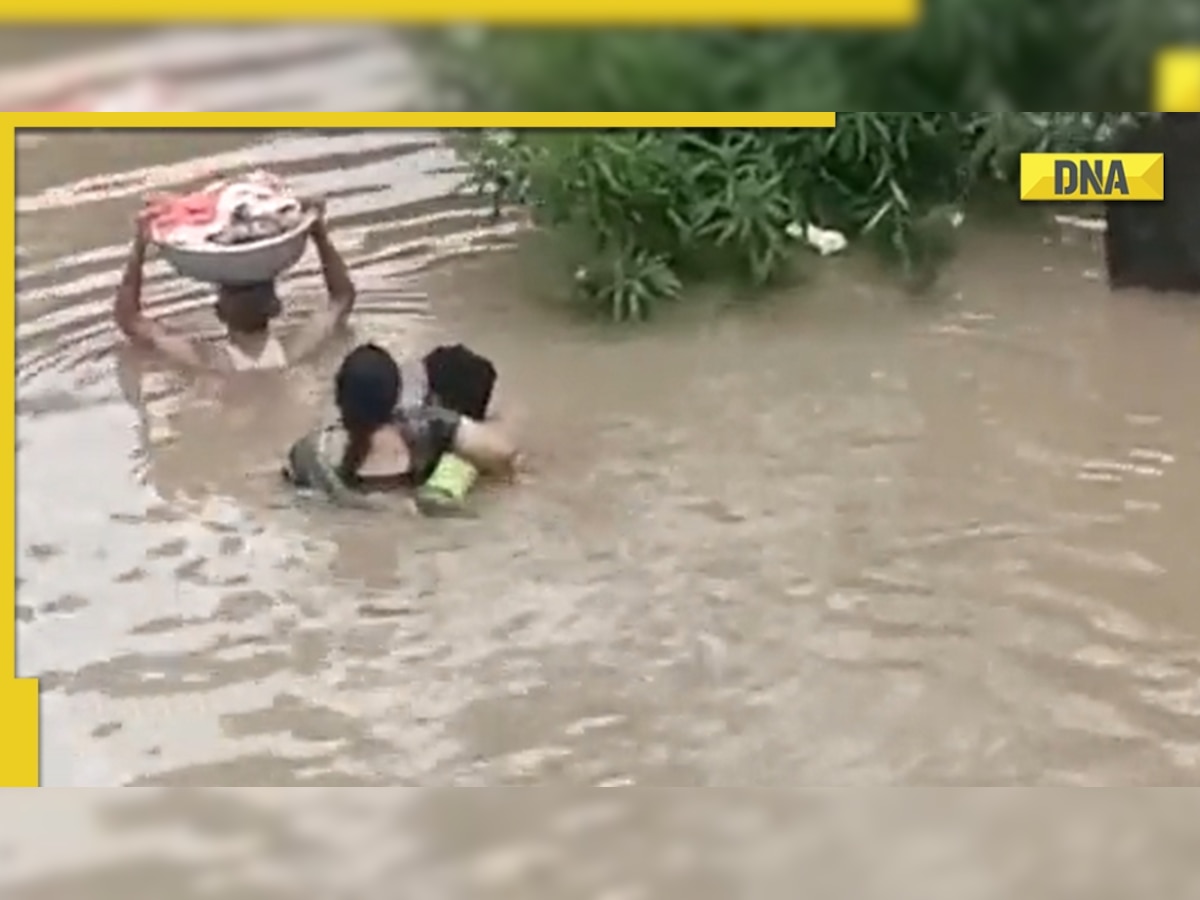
428	432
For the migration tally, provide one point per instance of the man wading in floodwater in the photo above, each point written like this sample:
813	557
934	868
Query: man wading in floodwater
246	312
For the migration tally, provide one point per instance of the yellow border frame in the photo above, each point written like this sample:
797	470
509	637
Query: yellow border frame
19	714
859	13
1177	80
431	120
18	696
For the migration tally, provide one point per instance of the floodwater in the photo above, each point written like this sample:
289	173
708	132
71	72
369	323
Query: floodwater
840	539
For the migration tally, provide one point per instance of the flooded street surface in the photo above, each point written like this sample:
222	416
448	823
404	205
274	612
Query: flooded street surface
577	844
843	539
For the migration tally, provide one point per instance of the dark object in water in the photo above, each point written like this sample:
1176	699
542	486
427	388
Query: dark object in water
1156	244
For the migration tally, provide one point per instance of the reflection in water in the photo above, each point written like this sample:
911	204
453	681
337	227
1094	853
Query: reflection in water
834	540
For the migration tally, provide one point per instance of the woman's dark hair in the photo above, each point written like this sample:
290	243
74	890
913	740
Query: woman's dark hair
367	389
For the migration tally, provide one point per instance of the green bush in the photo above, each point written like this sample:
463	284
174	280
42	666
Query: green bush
641	213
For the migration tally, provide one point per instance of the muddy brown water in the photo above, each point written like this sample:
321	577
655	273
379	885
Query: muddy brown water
842	539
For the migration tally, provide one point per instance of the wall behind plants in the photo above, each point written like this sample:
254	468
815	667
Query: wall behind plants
637	215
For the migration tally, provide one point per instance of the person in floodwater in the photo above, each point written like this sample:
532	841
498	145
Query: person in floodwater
397	426
246	311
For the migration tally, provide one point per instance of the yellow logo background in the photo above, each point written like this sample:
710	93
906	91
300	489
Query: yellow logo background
1143	175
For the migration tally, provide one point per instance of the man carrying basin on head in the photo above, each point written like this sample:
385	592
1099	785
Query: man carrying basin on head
246	311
